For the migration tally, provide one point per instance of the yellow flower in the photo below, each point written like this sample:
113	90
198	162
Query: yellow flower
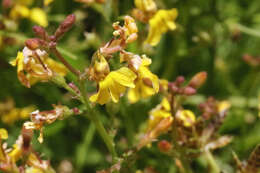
146	5
223	106
3	133
147	83
19	11
16	153
161	111
187	117
114	85
25	2
33	170
16	114
160	23
32	68
47	2
38	16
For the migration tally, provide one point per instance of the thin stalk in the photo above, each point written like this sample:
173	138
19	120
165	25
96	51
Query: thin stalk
212	163
60	57
94	117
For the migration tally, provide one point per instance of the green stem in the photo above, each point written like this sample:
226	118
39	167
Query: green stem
212	163
94	117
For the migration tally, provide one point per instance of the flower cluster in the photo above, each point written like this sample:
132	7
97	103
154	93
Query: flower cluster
9	113
21	152
160	21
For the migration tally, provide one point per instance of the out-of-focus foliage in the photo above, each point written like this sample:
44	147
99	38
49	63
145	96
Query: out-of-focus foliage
217	36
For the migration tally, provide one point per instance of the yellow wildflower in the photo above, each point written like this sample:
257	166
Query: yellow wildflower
160	23
47	2
25	2
187	117
223	106
147	83
114	85
38	16
3	133
34	66
146	5
33	170
16	153
19	11
161	111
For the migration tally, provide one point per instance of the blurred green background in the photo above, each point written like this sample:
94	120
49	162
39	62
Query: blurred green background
211	36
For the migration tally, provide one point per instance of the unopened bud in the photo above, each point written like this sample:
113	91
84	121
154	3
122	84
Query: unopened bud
7	3
148	82
32	43
180	80
198	80
40	32
172	86
74	87
189	91
65	26
164	146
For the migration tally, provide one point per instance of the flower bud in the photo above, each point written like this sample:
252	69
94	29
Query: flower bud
164	146
40	32
65	26
198	80
189	91
32	43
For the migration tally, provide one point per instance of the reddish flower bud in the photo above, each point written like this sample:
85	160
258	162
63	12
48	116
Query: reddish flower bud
7	3
40	32
65	26
189	91
32	43
164	146
173	87
198	80
180	80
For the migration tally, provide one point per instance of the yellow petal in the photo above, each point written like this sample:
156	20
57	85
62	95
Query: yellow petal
3	133
19	11
187	117
38	16
124	76
16	153
160	23
103	95
56	66
25	2
47	2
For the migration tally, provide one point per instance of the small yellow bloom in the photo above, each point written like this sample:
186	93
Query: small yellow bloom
187	117
161	111
38	16
25	2
47	2
147	83
223	106
114	85
33	170
16	153
146	5
160	23
3	133
19	11
31	69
